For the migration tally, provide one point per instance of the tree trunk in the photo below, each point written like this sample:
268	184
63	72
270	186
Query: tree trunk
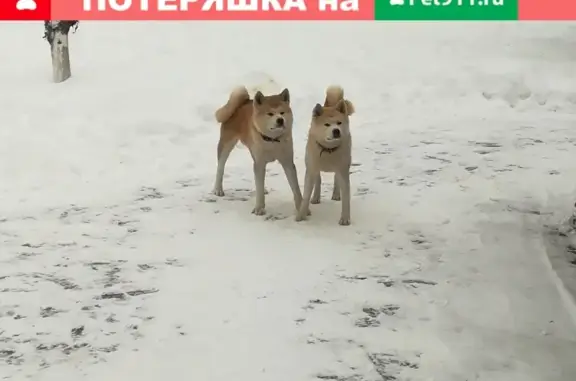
56	32
60	58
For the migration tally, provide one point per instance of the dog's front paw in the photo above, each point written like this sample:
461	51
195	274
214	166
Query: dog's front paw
336	196
344	221
301	216
297	204
259	211
218	192
315	200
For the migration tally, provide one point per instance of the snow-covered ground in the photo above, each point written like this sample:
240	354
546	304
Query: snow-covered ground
117	263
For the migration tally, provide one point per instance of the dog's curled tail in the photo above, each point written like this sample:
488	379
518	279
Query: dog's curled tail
335	94
237	98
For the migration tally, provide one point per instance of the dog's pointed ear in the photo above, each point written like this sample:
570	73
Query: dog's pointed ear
318	110
258	98
285	94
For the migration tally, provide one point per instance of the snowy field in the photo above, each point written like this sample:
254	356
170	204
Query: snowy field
117	262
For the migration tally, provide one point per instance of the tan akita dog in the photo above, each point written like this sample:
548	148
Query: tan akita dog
329	149
264	125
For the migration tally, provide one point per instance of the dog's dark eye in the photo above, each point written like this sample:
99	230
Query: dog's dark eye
338	123
270	114
327	124
282	113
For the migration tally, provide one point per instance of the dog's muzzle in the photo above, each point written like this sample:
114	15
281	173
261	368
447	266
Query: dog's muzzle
336	134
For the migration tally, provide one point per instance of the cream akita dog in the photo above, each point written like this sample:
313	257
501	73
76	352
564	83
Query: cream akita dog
329	149
264	125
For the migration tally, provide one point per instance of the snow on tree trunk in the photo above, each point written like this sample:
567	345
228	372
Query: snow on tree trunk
56	32
60	58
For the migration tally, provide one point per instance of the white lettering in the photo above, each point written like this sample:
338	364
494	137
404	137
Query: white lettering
427	2
87	5
336	5
349	6
299	4
271	4
255	5
242	5
209	4
184	4
164	5
322	4
144	5
114	4
498	3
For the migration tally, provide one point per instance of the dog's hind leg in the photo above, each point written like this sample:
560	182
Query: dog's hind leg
226	144
317	190
336	189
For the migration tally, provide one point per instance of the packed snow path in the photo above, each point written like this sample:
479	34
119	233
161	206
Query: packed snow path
117	262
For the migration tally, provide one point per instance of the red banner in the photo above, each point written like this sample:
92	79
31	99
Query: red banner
212	9
559	10
22	10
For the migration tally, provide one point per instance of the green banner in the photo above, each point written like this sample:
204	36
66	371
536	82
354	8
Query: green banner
444	10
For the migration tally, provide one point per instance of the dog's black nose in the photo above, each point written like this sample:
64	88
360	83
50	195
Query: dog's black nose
335	133
280	121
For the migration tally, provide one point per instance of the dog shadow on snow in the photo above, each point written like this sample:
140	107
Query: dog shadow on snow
280	207
240	200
